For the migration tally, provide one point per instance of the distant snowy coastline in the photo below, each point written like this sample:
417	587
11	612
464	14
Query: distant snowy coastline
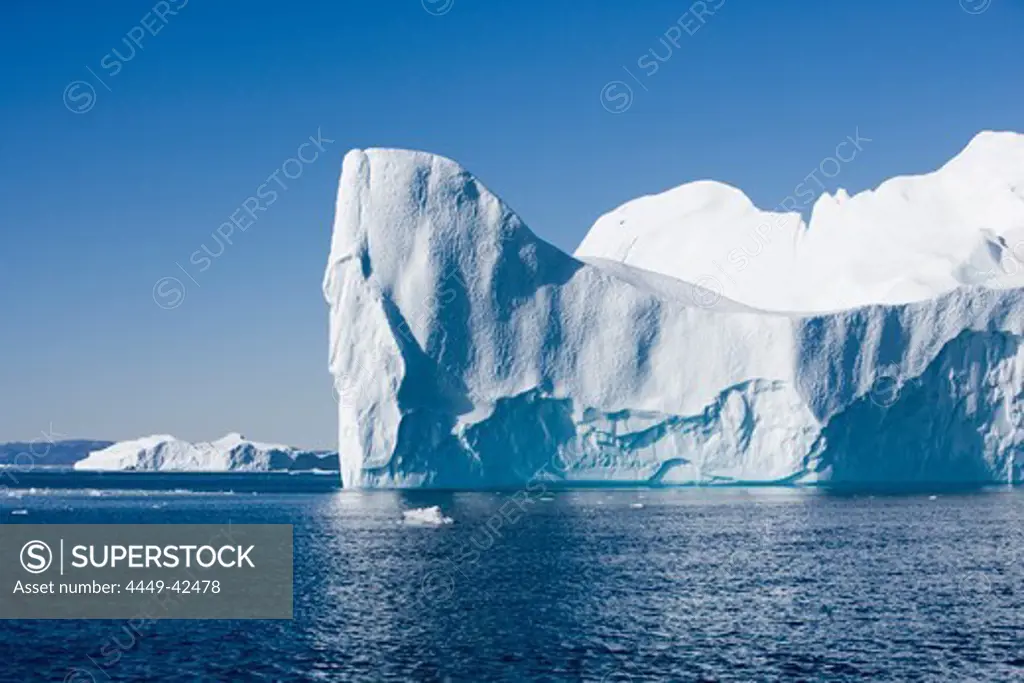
231	453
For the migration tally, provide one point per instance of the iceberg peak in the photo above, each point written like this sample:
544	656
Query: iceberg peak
910	239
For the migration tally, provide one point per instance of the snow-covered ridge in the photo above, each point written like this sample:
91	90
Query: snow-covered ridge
470	353
910	239
231	453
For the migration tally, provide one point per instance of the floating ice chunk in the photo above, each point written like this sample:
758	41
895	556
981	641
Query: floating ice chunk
429	516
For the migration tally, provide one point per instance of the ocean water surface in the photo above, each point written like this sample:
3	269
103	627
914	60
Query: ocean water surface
596	585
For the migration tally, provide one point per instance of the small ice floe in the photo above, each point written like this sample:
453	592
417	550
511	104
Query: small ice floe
636	506
19	512
431	516
933	497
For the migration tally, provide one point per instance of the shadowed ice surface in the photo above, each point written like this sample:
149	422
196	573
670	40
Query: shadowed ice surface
596	585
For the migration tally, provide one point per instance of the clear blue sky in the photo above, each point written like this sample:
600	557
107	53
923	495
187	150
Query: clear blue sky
98	206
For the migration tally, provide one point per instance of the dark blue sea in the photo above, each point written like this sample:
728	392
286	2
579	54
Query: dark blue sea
596	585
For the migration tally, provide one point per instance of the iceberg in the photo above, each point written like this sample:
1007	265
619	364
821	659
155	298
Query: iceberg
231	453
693	339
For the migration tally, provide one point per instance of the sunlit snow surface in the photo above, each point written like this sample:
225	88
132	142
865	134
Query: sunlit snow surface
469	353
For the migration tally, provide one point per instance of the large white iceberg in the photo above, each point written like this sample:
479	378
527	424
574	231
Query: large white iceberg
692	339
231	453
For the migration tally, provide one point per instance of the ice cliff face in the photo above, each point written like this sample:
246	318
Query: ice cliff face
232	453
467	352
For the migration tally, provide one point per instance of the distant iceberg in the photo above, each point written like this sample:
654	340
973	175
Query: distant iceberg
692	339
232	453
